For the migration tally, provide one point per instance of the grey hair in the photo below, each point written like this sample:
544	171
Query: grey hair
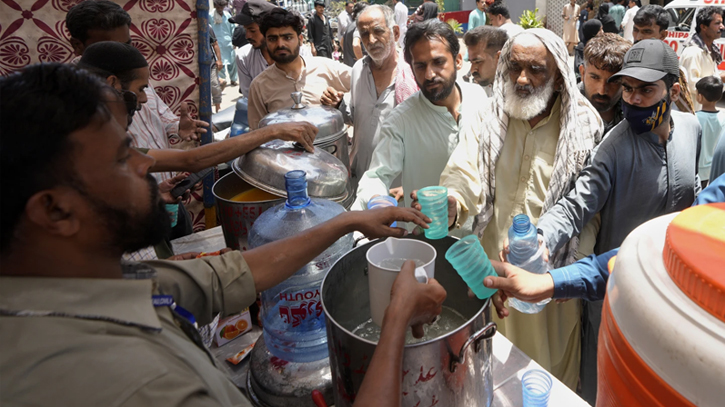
387	12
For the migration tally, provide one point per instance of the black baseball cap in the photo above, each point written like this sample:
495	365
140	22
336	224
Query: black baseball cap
320	3
649	61
251	11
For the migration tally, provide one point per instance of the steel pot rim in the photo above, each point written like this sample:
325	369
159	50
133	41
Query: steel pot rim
329	319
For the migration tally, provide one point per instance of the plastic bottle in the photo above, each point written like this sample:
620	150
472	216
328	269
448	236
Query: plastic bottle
472	264
294	323
526	254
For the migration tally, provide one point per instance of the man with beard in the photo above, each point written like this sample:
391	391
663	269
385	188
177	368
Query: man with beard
484	47
67	297
536	136
419	135
650	23
701	56
270	90
380	81
645	167
603	57
253	58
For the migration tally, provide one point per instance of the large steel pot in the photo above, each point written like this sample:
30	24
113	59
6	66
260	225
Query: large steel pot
331	131
452	370
236	217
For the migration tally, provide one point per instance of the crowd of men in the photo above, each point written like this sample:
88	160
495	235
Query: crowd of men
588	162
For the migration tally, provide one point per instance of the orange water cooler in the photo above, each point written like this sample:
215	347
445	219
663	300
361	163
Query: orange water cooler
662	338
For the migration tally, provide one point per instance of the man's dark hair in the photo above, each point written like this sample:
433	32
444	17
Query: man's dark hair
705	16
95	15
280	17
493	37
35	149
670	79
636	2
498	9
349	2
108	58
710	87
606	52
357	9
432	29
652	14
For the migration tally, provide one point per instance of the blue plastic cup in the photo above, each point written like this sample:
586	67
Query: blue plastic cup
173	211
536	387
434	204
383	201
470	261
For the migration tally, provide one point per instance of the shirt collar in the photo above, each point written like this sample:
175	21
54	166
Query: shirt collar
125	302
305	65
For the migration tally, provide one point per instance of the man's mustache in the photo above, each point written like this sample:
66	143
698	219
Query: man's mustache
435	81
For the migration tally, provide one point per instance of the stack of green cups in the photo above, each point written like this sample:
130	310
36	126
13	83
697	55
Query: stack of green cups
472	264
434	204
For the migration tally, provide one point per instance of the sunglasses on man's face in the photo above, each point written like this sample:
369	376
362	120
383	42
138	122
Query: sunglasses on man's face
131	101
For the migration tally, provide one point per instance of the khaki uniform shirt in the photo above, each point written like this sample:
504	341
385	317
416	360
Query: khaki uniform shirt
270	91
101	342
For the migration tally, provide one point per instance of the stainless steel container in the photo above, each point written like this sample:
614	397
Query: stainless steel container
331	135
273	382
452	370
236	217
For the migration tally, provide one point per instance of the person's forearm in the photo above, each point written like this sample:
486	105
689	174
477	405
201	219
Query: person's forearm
276	261
357	49
209	154
381	386
217	51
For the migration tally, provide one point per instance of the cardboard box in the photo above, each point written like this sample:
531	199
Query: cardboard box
232	327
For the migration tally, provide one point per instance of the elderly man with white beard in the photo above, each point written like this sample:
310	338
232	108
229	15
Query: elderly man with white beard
380	81
538	132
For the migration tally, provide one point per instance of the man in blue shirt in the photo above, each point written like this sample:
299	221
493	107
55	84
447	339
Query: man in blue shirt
586	279
477	17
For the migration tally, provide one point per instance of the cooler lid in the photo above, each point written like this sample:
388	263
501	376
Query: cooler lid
694	256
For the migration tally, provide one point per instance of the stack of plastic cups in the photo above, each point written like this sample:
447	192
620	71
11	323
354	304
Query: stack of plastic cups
382	201
434	204
536	387
472	264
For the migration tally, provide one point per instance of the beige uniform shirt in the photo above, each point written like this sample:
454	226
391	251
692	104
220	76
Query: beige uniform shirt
270	91
101	342
696	63
523	172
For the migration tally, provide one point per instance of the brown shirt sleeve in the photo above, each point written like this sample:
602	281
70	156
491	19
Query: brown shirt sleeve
207	286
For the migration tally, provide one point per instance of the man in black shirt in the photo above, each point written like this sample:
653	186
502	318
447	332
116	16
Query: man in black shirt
429	9
319	32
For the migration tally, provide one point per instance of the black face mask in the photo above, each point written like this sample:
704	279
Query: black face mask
644	119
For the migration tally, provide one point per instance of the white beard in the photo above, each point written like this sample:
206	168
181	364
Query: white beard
526	108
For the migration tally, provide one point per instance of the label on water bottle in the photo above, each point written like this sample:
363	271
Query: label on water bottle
294	308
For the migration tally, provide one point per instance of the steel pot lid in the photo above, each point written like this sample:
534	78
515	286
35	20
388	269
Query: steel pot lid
265	167
329	121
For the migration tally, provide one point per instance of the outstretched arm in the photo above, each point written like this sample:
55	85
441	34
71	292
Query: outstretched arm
411	303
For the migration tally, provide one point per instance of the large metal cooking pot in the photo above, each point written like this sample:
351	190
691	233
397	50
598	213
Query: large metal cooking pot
452	370
236	217
331	135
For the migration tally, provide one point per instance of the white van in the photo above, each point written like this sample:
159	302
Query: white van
682	23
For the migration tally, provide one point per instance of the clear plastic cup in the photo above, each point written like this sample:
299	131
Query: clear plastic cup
383	201
434	204
536	387
470	261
